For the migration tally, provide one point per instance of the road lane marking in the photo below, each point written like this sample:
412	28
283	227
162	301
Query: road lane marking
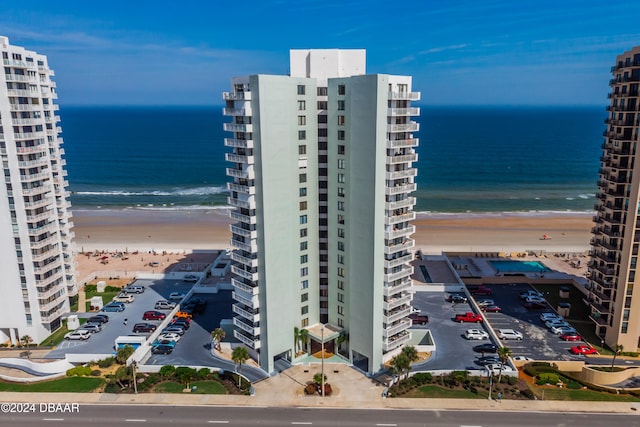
133	420
53	419
217	422
387	425
300	423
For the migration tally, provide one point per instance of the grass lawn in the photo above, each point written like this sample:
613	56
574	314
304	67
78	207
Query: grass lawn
585	395
445	393
204	387
67	384
106	298
58	335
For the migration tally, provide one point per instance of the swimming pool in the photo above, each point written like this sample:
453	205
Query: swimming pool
519	266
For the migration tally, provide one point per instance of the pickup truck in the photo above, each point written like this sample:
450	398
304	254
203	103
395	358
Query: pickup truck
468	317
419	318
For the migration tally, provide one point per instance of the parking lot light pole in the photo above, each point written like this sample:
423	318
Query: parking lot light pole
135	382
322	369
490	374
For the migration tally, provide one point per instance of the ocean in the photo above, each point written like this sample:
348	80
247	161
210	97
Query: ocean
472	160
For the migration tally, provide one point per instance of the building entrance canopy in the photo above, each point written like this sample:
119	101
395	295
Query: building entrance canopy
331	332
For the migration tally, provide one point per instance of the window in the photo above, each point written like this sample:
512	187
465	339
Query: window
340	259
304	259
340	163
323	91
340	297
301	89
340	322
303	177
302	135
340	271
304	245
303	219
342	90
341	178
304	309
304	297
341	135
341	205
302	149
323	133
341	284
304	284
304	271
305	322
303	232
303	206
341	246
302	105
340	147
322	118
341	120
341	310
341	105
302	120
340	219
322	105
302	191
340	191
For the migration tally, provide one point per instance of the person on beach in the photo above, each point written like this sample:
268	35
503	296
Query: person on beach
125	321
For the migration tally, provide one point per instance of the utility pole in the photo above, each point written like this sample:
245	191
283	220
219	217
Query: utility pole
322	362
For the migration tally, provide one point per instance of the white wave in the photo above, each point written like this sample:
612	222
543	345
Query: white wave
531	213
197	191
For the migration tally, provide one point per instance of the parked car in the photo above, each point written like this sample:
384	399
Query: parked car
531	293
174	329
419	319
159	341
185	313
113	306
571	336
476	334
561	330
183	323
457	299
481	290
144	327
190	278
153	315
165	305
583	349
162	349
491	309
134	289
468	317
496	368
548	316
124	297
555	322
509	334
538	300
98	318
91	327
176	296
485	302
487	360
522	359
485	348
535	305
169	336
78	335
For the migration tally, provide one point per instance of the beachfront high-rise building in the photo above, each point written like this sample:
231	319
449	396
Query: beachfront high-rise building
614	296
35	231
322	168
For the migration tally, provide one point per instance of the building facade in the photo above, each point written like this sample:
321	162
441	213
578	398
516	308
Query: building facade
614	303
322	168
38	270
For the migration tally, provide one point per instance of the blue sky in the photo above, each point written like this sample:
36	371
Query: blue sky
525	52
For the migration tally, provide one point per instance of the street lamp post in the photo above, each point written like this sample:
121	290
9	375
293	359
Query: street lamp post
490	382
135	382
322	362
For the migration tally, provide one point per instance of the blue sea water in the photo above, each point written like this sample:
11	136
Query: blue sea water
471	159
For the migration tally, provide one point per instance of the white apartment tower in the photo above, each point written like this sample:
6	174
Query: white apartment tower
35	226
322	168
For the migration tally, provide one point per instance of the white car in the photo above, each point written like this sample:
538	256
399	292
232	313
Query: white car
476	334
538	300
509	334
485	302
531	294
124	297
555	322
522	358
548	316
176	296
79	334
190	278
559	330
169	336
495	368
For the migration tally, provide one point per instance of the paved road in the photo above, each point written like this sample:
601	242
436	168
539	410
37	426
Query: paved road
157	416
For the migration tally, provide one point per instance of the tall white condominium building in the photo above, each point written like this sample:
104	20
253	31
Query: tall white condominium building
615	280
322	172
35	238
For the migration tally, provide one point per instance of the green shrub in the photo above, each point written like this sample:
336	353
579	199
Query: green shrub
527	393
533	369
79	371
423	378
112	288
91	288
547	378
459	376
105	363
573	385
167	371
203	373
629	353
512	380
96	373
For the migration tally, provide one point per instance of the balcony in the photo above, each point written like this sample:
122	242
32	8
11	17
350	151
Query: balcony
244	246
396	328
237	158
250	342
396	341
406	245
250	262
406	271
413	111
249	315
244	273
411	96
407	173
402	286
239	173
402	143
246	326
42	243
243	218
407	158
406	203
245	300
25	107
236	96
397	314
402	232
239	188
405	127
248	204
397	302
26	122
238	143
35	177
398	261
236	127
250	234
247	289
29	135
400	188
39	230
396	219
236	112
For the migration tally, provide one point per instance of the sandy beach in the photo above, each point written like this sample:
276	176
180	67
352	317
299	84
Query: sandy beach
186	230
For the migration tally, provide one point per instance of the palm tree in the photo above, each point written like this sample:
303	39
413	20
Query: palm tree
341	339
218	335
400	364
239	356
411	352
503	353
26	340
617	349
124	353
296	338
304	338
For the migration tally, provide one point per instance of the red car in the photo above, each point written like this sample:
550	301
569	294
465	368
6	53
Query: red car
153	315
491	309
583	349
571	336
